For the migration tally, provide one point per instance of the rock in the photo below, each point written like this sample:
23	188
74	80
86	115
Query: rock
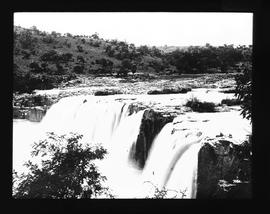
220	162
152	123
19	113
36	114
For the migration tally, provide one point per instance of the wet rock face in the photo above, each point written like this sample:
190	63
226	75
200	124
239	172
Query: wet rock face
34	114
152	123
224	170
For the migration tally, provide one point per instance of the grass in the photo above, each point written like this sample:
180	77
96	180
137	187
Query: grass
199	106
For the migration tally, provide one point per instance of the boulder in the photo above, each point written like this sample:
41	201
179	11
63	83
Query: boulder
19	113
224	169
36	114
152	123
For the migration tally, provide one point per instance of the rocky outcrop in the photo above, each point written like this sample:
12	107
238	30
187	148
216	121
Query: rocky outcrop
30	106
152	123
34	114
224	169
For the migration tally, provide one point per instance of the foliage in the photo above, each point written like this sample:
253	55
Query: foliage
199	106
243	89
231	102
170	91
26	40
107	92
67	170
164	192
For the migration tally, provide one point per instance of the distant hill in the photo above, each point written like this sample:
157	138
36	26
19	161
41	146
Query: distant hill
44	60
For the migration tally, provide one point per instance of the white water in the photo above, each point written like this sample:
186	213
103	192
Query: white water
172	161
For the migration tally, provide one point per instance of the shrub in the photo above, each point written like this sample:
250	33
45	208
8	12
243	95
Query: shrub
170	91
34	67
231	102
50	56
107	92
27	40
79	48
78	69
199	106
26	54
48	39
67	171
66	57
163	192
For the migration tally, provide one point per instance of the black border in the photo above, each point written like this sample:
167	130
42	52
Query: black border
260	161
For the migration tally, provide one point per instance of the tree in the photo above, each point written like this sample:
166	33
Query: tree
27	40
34	67
79	48
50	56
244	89
125	67
67	170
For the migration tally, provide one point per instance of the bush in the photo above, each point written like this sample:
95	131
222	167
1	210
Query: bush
50	56
231	102
27	40
164	192
78	69
199	106
67	171
48	39
170	91
79	48
107	92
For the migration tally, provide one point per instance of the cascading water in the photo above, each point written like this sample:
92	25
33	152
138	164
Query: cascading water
172	163
172	159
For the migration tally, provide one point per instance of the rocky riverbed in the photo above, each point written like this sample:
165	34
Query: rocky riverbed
33	106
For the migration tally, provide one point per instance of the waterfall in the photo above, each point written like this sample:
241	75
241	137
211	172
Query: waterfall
172	163
172	158
86	115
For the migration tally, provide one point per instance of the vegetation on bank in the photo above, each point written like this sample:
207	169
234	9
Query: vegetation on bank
231	102
170	91
198	106
44	60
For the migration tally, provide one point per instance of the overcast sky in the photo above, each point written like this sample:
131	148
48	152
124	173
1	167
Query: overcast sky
177	29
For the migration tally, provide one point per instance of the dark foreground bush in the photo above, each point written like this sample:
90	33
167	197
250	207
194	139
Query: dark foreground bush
244	90
107	92
170	91
231	102
199	106
67	170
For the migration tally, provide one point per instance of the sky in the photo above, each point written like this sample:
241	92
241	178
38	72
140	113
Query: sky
148	28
